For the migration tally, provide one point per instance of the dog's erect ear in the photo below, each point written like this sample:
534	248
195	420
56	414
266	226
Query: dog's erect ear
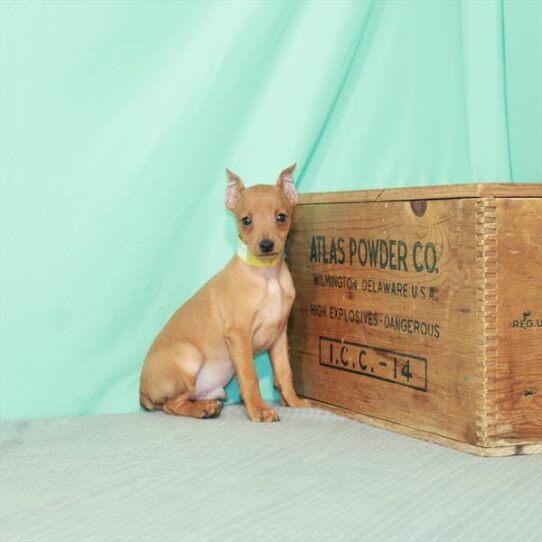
286	182
233	190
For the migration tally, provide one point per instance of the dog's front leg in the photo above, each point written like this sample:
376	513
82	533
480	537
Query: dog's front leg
283	373
240	349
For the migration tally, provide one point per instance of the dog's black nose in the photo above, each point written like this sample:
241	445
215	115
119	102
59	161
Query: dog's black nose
267	245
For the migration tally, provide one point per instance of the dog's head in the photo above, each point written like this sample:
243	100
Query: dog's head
263	212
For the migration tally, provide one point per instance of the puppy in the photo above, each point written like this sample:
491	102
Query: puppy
240	312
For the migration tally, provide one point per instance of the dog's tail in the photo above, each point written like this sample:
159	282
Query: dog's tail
145	401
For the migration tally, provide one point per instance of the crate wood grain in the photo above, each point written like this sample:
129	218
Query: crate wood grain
420	310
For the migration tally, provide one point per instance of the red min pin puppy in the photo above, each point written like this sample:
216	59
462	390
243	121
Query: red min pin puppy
241	311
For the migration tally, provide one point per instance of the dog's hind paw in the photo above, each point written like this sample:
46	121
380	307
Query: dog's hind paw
207	409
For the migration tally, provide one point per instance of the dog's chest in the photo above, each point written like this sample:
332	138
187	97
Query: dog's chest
270	318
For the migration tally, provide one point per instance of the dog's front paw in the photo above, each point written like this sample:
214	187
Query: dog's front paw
295	402
300	403
263	414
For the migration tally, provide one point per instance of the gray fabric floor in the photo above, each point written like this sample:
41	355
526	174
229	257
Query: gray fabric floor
312	477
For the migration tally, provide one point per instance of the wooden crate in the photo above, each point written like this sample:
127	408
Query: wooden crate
420	310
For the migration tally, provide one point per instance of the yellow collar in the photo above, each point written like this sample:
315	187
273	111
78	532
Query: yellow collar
244	253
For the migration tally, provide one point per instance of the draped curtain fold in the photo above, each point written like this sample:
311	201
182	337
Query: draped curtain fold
117	120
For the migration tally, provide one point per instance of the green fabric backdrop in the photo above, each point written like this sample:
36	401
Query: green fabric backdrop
118	119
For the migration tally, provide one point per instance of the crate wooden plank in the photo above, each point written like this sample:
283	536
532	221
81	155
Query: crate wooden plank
518	385
398	312
525	190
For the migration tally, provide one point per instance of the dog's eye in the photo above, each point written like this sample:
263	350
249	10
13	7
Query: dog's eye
281	217
246	221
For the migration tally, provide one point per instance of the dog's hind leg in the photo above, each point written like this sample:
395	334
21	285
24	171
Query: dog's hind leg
185	403
168	383
182	404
